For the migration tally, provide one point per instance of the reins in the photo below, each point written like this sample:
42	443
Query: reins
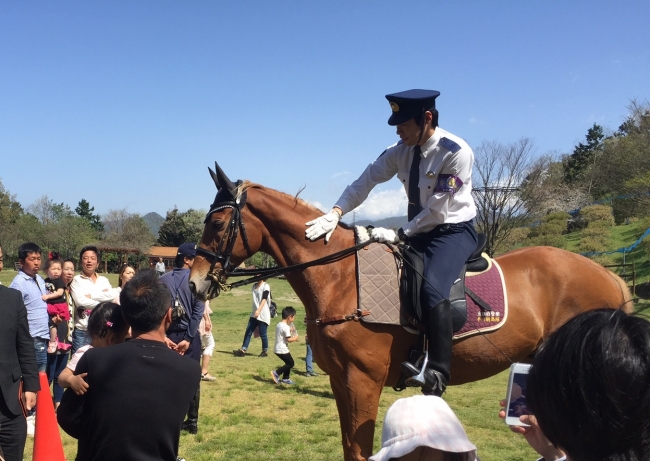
276	271
227	243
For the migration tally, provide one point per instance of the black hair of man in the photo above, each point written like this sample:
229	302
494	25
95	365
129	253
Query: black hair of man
589	387
145	301
26	249
288	312
92	248
179	261
434	118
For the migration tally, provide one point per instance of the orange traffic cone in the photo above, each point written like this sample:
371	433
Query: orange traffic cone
47	439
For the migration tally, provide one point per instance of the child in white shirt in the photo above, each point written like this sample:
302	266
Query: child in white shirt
285	333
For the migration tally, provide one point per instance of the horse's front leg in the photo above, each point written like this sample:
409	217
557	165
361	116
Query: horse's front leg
357	398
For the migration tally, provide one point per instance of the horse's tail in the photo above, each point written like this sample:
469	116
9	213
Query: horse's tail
627	305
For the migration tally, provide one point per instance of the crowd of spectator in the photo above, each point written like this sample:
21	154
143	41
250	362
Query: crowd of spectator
61	324
588	388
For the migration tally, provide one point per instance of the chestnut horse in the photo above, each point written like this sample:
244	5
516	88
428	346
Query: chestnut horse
545	287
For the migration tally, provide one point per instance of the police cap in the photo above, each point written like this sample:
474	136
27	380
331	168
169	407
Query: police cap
409	104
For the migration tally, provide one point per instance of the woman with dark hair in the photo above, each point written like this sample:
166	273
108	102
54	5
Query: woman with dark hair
589	389
125	274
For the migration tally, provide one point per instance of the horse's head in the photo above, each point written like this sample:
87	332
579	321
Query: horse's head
225	242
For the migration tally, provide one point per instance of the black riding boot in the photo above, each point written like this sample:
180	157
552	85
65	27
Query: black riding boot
191	424
439	332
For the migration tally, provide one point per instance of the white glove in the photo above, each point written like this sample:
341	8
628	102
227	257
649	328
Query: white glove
324	225
384	235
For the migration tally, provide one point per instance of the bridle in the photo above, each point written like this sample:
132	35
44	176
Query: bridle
218	279
224	251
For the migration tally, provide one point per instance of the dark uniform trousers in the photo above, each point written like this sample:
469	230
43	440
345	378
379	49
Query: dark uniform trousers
446	248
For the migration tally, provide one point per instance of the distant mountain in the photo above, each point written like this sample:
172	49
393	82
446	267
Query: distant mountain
394	222
154	221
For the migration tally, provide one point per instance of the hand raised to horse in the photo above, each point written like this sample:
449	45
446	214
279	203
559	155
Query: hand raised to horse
324	225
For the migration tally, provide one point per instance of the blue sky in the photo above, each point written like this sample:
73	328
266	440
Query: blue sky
126	104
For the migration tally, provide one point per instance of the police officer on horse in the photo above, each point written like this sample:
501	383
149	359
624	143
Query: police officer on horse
435	167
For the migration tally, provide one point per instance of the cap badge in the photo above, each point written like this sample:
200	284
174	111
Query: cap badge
394	106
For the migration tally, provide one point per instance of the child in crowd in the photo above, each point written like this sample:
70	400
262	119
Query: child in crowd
285	333
207	343
106	327
57	306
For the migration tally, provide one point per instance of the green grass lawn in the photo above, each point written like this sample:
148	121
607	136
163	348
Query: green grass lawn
245	415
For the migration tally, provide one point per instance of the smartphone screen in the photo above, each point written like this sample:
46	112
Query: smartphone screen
517	399
516	404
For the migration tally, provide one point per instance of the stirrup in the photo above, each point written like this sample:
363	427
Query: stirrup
419	380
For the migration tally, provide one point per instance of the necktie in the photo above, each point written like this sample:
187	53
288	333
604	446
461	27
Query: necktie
414	178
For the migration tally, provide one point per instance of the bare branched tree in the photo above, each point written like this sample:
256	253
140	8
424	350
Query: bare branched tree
506	181
129	230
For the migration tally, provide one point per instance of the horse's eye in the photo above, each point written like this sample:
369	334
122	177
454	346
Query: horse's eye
218	225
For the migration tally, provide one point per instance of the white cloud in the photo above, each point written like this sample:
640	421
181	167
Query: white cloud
383	204
316	204
476	121
340	173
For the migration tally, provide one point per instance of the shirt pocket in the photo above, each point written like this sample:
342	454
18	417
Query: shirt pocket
428	183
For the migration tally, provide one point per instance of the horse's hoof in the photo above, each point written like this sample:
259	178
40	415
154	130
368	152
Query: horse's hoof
409	369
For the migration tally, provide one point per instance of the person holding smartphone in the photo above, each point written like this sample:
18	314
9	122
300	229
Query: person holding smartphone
588	390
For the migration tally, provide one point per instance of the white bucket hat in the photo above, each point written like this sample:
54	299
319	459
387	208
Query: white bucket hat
422	421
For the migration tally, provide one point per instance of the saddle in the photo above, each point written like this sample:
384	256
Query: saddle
410	286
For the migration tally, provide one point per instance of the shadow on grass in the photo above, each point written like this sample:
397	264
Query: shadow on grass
296	388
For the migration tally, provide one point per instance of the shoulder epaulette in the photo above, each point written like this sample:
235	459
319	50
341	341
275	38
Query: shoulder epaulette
449	145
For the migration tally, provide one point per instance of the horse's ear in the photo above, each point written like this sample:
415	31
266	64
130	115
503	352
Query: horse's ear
223	180
214	178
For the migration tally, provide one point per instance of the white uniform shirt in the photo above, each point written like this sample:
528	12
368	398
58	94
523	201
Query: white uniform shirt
437	207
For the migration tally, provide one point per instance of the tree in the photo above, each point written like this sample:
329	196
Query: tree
59	230
10	209
171	232
48	212
69	235
508	179
194	224
26	228
181	227
583	156
127	230
620	175
86	212
552	194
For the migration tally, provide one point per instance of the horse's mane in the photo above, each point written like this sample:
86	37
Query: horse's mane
282	196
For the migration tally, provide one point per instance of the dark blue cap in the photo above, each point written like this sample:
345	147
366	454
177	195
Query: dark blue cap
409	104
187	249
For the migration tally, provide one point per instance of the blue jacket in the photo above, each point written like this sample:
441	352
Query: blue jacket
178	282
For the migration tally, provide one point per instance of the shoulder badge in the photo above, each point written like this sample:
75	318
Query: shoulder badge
449	145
